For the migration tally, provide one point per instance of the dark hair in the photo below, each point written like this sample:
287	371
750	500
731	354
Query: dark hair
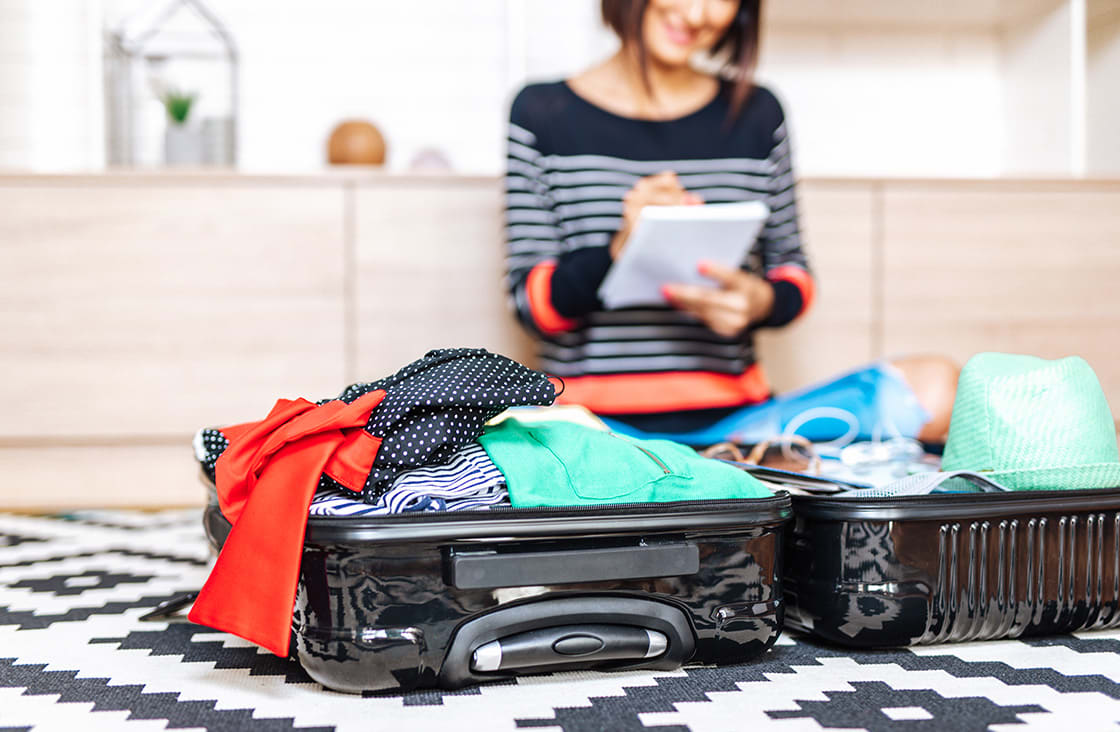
739	44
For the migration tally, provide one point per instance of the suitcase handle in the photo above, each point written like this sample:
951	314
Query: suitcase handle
566	643
591	631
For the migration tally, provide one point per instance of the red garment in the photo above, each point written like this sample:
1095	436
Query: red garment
265	480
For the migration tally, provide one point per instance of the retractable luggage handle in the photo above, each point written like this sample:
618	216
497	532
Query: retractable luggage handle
568	633
567	644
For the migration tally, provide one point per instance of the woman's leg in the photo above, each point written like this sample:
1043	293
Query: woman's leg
933	379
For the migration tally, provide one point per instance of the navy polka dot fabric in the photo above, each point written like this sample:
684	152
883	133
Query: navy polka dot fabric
436	405
209	444
432	407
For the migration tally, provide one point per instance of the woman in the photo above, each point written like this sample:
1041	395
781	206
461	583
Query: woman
646	127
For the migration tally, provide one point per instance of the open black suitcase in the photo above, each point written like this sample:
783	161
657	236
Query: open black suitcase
453	599
953	567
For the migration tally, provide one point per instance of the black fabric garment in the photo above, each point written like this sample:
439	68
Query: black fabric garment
439	403
432	407
576	281
787	305
209	445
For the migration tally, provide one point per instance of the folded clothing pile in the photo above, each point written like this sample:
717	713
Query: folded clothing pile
469	481
420	416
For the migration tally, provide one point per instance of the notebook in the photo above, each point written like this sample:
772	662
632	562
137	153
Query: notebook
669	242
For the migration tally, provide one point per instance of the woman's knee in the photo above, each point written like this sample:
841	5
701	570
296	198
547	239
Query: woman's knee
933	380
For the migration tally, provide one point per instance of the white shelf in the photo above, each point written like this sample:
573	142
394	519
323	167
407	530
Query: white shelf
885	14
1044	89
1102	112
949	88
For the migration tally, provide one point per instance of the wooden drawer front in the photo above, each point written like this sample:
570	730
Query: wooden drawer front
429	274
54	478
1025	270
836	334
153	310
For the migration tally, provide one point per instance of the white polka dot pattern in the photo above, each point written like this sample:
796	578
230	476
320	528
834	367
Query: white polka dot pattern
439	403
209	444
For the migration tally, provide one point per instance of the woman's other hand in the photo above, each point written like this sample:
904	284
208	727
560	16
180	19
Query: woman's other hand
740	299
663	189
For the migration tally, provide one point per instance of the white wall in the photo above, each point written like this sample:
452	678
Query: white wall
1044	81
562	38
50	101
441	74
437	74
426	74
909	100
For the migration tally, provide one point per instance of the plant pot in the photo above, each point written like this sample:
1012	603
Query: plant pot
182	145
217	140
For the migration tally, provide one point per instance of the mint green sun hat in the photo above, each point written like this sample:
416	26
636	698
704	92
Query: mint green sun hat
1032	424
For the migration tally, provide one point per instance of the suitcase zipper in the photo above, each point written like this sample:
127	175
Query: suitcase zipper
779	501
553	521
549	511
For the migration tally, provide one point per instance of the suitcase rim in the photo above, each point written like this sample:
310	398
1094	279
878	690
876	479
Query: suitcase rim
532	522
957	506
608	518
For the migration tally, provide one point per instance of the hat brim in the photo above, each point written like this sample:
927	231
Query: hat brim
1073	477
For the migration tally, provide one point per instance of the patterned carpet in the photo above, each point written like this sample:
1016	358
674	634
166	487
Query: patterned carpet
74	656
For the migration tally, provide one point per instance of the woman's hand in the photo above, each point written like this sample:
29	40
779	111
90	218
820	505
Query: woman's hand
739	300
663	189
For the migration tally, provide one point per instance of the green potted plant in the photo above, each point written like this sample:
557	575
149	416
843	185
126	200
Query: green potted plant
182	143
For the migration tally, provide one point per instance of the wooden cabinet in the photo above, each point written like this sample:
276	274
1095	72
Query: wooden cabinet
134	310
137	308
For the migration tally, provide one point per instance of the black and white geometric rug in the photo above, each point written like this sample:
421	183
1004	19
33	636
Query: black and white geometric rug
74	656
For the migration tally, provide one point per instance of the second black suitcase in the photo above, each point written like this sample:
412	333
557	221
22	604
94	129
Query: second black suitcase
953	567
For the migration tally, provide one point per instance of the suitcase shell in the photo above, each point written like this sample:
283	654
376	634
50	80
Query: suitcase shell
406	601
953	567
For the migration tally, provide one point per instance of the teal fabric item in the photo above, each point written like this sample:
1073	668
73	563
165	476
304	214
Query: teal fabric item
564	464
1032	424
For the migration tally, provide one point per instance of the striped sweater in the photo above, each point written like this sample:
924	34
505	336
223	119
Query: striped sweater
569	164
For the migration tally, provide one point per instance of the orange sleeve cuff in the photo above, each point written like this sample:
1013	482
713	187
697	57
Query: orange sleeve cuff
538	290
798	277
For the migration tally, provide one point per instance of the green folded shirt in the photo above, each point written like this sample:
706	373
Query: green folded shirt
564	464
